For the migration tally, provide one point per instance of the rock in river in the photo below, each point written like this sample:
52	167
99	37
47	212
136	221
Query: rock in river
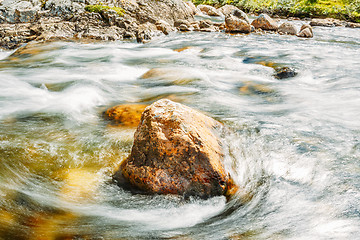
305	31
235	24
126	115
287	28
265	22
177	150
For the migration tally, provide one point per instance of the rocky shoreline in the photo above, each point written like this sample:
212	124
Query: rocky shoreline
83	20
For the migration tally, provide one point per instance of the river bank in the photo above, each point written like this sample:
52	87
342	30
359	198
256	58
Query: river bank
26	21
345	10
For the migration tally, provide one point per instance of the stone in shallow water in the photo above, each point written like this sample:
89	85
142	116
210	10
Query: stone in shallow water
79	185
177	150
172	75
265	22
285	72
305	31
235	24
287	28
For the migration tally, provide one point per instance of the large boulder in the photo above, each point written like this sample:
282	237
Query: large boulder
265	22
176	150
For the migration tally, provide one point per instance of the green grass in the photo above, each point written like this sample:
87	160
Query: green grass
102	8
340	9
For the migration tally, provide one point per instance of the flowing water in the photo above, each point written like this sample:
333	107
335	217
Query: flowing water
294	147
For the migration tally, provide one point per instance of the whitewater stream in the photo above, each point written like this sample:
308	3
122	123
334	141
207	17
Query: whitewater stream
294	149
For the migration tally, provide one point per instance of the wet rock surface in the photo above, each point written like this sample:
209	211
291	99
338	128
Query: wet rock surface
284	72
177	150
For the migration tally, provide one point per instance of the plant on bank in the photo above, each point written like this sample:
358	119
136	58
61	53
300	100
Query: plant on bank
99	8
341	9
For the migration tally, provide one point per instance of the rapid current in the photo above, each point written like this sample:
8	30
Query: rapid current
294	148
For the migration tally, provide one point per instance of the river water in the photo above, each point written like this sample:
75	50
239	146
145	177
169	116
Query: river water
294	147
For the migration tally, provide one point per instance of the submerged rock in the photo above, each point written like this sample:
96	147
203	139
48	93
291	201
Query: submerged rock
265	22
171	75
284	72
176	150
126	115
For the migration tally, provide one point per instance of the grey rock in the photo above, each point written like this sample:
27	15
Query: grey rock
227	9
287	28
164	27
18	11
305	31
241	15
209	10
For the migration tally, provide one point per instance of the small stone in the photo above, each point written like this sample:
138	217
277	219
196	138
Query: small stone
209	10
327	22
265	22
184	28
241	15
205	24
234	24
163	26
305	31
352	25
285	72
227	9
181	22
287	28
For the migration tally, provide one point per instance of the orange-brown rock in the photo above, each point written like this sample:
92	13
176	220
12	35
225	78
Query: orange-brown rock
126	115
265	23
176	150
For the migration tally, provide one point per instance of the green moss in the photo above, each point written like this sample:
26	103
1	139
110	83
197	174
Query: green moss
341	9
102	8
